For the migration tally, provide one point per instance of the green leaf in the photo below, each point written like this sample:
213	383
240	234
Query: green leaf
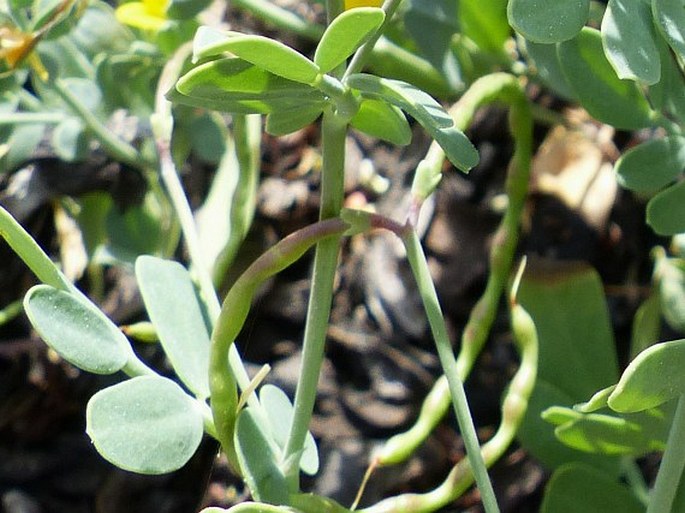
548	21
284	122
546	63
666	210
77	330
670	278
249	507
597	401
345	34
654	377
485	23
258	459
235	85
265	53
652	165
280	417
422	107
629	39
578	488
606	97
670	18
208	136
171	303
607	434
147	424
577	352
379	119
433	24
666	95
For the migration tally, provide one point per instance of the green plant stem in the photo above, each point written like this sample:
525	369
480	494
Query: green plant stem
11	311
281	18
234	310
635	479
672	464
115	147
162	126
496	87
514	409
31	253
334	130
448	362
32	118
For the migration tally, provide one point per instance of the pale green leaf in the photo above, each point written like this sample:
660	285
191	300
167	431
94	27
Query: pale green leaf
548	21
263	52
284	122
579	488
629	40
172	304
345	34
258	459
77	330
611	100
666	211
670	18
654	377
379	119
650	166
147	424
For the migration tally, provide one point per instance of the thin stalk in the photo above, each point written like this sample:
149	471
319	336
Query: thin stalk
32	118
448	362
633	475
11	311
321	294
115	147
672	464
162	126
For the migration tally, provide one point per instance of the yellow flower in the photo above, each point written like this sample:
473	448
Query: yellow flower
146	15
351	4
17	46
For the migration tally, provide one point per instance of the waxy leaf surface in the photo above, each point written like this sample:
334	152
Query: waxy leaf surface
548	21
629	39
670	18
263	52
258	457
77	330
605	96
345	34
147	424
171	303
379	119
652	165
235	85
284	122
654	377
422	107
577	488
666	211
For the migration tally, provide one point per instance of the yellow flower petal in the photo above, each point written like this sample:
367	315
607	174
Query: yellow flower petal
351	4
136	14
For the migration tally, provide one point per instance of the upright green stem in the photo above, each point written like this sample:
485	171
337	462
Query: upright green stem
672	464
449	364
321	294
116	147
